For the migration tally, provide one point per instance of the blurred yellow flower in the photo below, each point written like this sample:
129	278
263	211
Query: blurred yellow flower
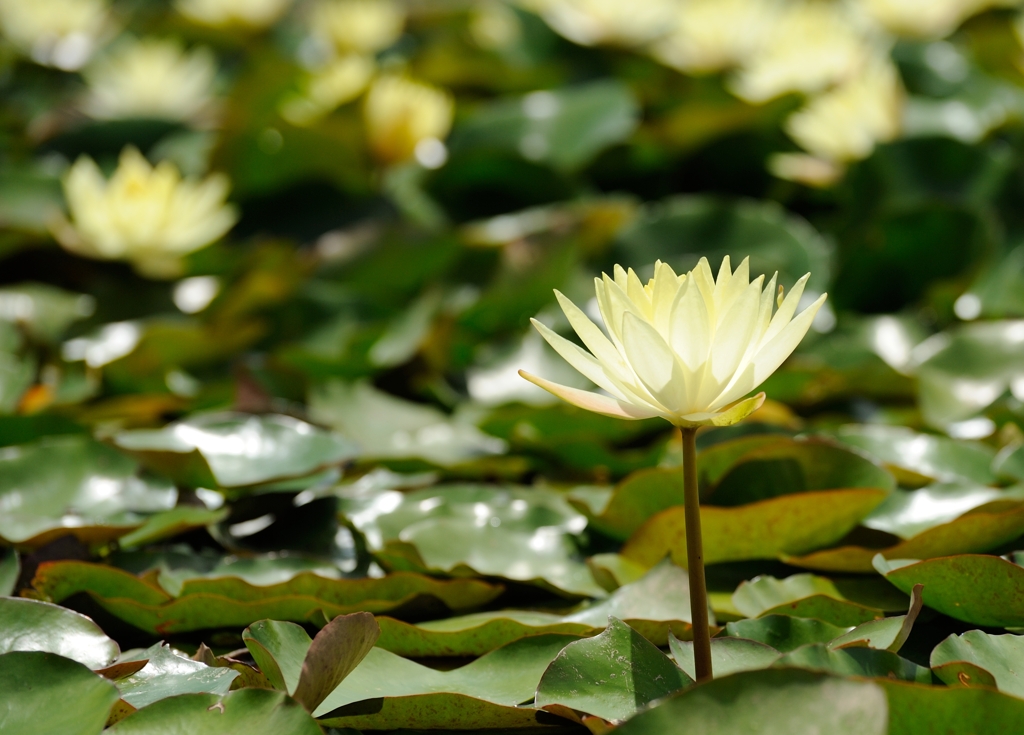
686	348
146	215
812	45
360	26
61	33
844	123
324	90
152	78
405	118
712	35
612	22
494	25
222	13
927	18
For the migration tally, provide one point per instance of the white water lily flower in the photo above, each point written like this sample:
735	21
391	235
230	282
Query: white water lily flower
61	33
612	22
927	18
152	78
686	348
223	13
402	114
359	26
147	215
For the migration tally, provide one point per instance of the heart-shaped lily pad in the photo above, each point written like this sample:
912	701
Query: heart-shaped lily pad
230	450
230	601
998	656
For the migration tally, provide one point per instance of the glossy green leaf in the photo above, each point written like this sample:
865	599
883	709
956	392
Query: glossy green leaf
773	528
234	450
10	569
230	601
908	513
856	661
46	693
978	589
772	702
170	523
783	632
74	485
388	692
168	673
918	459
1009	463
45	312
997	655
803	596
611	676
632	501
729	655
30	625
250	711
887	633
914	709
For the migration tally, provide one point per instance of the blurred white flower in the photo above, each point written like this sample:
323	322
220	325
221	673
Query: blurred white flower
326	89
221	13
812	46
712	35
60	33
805	168
612	22
686	348
401	115
926	18
844	123
359	26
494	25
152	78
147	215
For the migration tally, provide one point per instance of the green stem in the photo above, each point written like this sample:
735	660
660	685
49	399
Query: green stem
695	559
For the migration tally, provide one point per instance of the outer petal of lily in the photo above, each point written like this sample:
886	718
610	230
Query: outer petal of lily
593	401
595	340
734	332
731	415
585	363
786	310
775	352
652	360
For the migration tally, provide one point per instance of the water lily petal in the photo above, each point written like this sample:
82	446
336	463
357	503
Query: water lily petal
593	401
786	310
732	338
773	354
654	363
585	363
690	326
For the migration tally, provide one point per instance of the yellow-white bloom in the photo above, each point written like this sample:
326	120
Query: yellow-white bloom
326	89
712	35
61	33
812	46
686	348
844	123
147	215
152	78
222	13
359	26
612	22
926	18
401	114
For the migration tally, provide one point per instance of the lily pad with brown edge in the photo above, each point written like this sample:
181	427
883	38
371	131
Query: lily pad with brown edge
387	692
73	485
778	527
975	588
918	459
169	673
958	659
886	633
656	606
32	625
980	529
232	602
625	507
803	596
231	450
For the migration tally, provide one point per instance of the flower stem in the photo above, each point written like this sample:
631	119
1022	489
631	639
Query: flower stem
695	559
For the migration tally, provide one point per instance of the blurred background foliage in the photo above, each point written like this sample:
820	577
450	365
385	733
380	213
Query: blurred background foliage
355	209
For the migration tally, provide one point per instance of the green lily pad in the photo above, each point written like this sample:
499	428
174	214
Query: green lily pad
998	656
784	633
231	450
10	569
857	661
168	673
307	669
918	459
170	523
388	692
1009	463
774	528
252	711
728	655
794	466
31	625
46	693
233	602
887	633
914	709
908	513
803	596
981	529
625	508
44	311
610	676
73	485
773	702
975	588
